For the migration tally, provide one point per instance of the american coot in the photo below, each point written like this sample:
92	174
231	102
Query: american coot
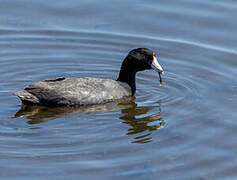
63	91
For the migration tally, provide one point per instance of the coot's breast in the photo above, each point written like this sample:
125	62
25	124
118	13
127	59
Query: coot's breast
78	91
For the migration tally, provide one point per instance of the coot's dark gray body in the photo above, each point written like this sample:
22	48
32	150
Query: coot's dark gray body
74	91
90	91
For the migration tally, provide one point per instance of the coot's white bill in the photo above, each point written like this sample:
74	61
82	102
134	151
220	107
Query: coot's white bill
156	66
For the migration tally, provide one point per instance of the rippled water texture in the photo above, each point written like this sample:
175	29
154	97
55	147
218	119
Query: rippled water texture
184	129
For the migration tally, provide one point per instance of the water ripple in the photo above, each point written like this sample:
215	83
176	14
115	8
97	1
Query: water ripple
33	55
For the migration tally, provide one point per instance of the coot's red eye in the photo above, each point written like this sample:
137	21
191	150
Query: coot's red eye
154	54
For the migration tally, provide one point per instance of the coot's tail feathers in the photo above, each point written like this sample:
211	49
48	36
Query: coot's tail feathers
26	97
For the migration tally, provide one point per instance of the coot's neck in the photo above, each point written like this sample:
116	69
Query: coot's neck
127	74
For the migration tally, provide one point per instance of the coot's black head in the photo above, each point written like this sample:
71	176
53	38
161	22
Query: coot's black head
141	59
138	60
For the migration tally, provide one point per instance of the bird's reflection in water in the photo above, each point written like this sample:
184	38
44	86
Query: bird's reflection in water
141	122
